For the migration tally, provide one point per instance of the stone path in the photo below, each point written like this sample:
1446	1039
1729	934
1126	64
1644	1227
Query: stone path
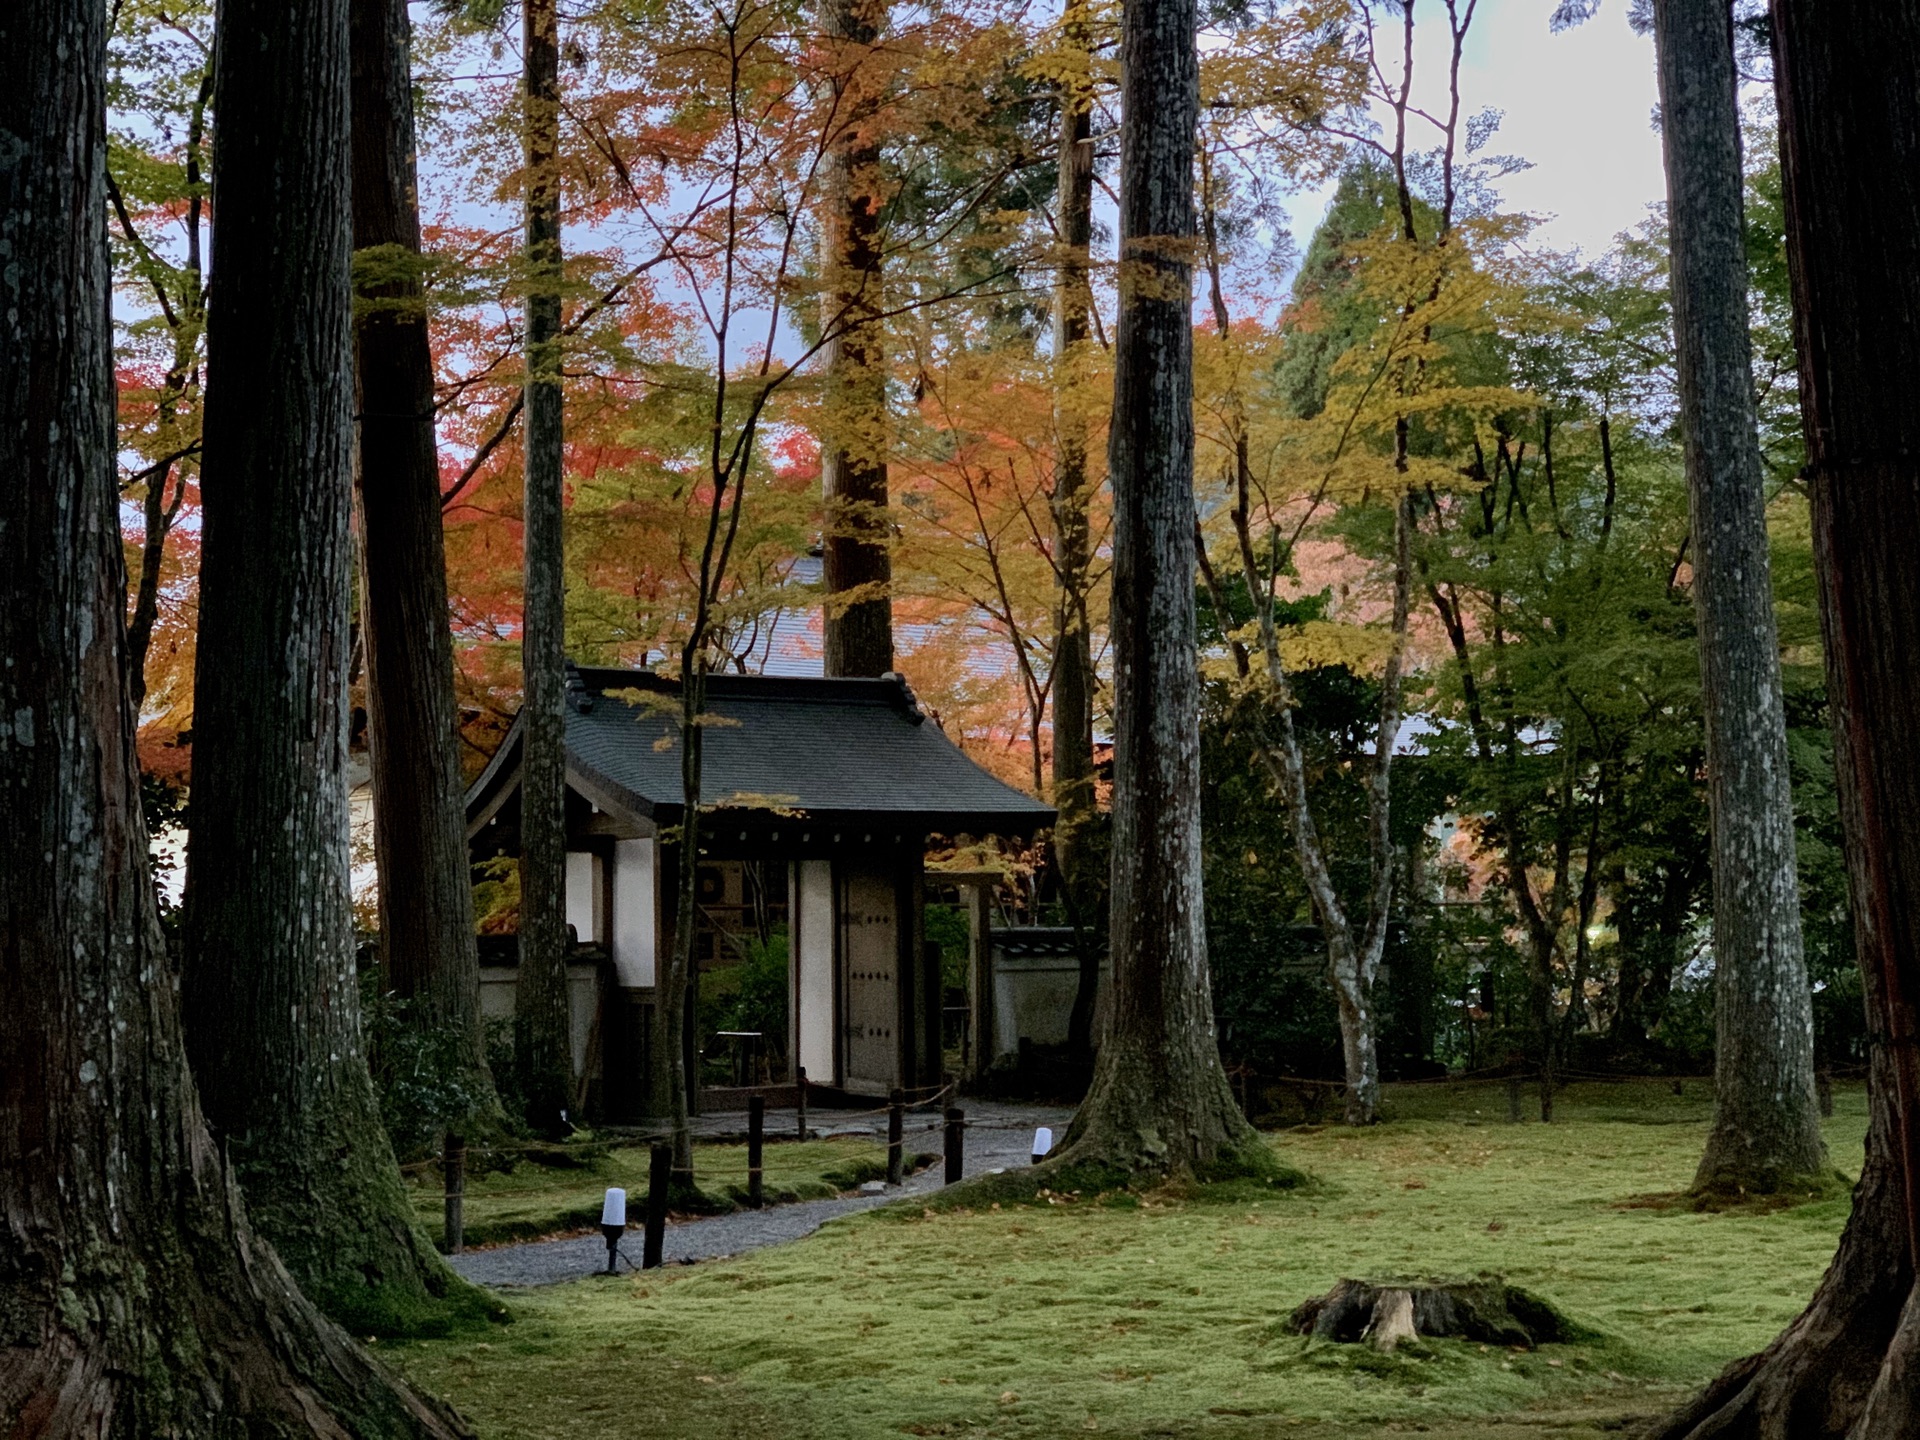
999	1137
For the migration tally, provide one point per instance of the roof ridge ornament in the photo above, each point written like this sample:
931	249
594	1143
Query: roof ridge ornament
912	701
578	695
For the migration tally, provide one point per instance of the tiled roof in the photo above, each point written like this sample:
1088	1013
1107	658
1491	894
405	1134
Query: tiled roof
831	749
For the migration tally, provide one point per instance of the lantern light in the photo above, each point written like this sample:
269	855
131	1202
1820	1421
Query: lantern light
1042	1144
613	1223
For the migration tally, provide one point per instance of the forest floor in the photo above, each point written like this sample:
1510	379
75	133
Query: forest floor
1165	1315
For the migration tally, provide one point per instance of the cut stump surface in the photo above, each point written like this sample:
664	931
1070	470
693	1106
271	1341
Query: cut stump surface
1386	1312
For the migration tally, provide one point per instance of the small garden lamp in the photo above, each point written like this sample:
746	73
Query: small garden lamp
1042	1143
613	1223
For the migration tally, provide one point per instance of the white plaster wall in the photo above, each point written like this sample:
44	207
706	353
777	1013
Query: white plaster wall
636	910
812	933
583	896
497	987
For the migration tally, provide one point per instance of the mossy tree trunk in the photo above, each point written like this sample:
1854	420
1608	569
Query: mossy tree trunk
1850	152
857	629
135	1299
1766	1127
428	952
1160	1101
542	1054
269	991
1073	675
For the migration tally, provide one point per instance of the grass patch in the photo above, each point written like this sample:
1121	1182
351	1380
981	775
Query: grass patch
538	1198
1165	1313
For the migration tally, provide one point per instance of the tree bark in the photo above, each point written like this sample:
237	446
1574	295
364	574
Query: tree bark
540	1039
269	991
857	542
135	1300
1160	1100
1766	1126
1073	677
1850	156
428	952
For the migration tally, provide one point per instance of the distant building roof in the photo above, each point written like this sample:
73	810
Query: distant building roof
831	750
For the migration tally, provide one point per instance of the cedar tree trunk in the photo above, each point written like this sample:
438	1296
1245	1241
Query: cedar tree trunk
542	1053
269	991
853	459
428	953
1073	678
1766	1125
1848	81
1160	1100
135	1300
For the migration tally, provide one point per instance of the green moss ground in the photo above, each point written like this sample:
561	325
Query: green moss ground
1164	1315
533	1200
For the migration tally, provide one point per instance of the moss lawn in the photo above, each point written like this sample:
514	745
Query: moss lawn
1164	1315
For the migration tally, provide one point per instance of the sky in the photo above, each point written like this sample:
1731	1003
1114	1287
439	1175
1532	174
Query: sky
1578	104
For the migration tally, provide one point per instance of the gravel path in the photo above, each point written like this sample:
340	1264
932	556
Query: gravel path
998	1138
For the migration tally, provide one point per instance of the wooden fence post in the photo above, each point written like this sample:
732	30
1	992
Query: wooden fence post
756	1135
659	1177
956	1144
896	1124
453	1161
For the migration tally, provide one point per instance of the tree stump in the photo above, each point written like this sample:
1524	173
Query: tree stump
1385	1312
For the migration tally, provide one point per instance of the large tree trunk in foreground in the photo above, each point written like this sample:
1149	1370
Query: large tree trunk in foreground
134	1299
542	1054
1849	89
1766	1126
857	544
428	952
269	991
1160	1100
1073	678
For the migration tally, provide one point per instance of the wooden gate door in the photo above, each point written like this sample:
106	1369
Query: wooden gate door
870	954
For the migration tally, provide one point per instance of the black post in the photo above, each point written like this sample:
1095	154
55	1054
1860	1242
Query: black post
453	1160
800	1097
756	1135
956	1143
896	1117
1823	1089
1513	1099
659	1177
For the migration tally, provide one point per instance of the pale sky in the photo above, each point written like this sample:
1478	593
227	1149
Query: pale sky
1578	104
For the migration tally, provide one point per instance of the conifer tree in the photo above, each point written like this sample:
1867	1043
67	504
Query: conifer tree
542	1052
1160	1101
137	1298
858	569
1766	1128
1848	83
428	953
269	989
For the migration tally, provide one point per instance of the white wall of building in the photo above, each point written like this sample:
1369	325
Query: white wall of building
636	910
811	930
584	882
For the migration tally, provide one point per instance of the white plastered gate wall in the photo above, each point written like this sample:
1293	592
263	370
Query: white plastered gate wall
812	927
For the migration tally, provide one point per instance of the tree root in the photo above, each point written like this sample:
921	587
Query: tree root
1846	1368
